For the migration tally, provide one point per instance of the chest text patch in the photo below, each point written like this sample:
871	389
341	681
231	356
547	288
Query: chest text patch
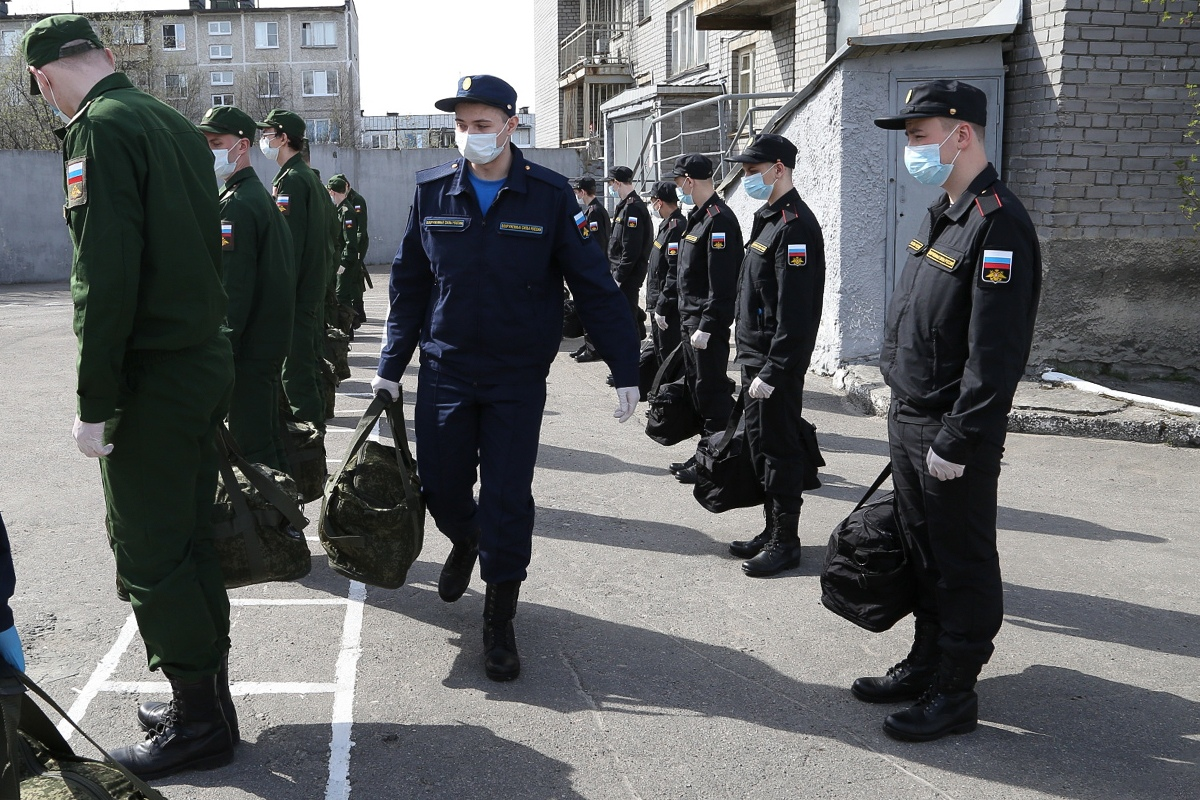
692	238
226	235
997	266
758	247
944	261
444	223
76	182
521	228
797	254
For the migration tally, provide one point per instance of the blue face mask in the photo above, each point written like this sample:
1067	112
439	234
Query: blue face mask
684	199
756	187
924	162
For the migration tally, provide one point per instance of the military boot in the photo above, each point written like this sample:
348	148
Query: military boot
749	548
152	715
948	706
782	550
500	659
912	676
193	734
456	574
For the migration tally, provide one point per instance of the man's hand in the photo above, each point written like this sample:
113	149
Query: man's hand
759	390
660	321
89	438
380	383
341	269
700	340
942	469
627	400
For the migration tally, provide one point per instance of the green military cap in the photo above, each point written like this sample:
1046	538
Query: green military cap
228	119
286	122
338	183
47	41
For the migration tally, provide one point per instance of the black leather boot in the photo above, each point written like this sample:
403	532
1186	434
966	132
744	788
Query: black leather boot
749	548
911	677
456	574
500	659
948	706
151	715
782	550
194	734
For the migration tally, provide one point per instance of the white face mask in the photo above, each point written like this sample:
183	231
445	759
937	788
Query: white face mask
270	152
222	165
53	101
479	148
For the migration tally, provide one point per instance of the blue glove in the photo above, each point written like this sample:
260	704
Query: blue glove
10	648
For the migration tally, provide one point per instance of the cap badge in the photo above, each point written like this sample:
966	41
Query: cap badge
908	97
466	84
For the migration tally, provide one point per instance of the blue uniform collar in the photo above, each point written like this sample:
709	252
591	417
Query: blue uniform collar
517	181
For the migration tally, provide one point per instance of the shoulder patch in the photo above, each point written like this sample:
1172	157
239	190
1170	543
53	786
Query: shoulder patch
631	222
718	240
349	224
581	224
988	202
227	235
594	226
283	203
77	182
797	255
435	173
672	249
997	266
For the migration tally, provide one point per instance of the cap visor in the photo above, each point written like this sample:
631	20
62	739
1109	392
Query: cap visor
448	104
746	159
211	129
896	123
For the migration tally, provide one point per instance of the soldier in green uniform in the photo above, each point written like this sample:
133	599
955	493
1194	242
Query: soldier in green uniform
351	247
260	279
301	199
155	370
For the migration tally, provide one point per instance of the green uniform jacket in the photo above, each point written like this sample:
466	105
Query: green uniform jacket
260	272
360	208
142	211
305	204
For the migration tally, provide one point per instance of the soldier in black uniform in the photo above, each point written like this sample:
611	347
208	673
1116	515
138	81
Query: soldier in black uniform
778	313
661	299
599	225
957	340
709	258
630	244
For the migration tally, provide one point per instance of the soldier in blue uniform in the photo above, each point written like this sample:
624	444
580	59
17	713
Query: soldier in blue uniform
477	286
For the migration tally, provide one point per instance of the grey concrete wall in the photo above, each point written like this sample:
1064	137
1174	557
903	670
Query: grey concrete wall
35	245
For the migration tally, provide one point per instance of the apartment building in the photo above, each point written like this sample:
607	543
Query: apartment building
230	52
394	131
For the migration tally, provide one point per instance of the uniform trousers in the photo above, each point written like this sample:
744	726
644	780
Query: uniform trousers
666	341
773	434
350	288
467	430
707	379
254	411
950	528
159	484
301	376
631	292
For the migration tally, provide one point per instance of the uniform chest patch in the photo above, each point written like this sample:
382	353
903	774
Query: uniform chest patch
718	240
444	223
283	203
631	222
758	247
226	235
672	248
76	182
692	238
581	223
657	245
522	228
997	266
948	263
797	254
915	246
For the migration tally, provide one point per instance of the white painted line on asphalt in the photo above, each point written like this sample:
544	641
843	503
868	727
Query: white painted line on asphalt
336	601
240	688
338	787
100	675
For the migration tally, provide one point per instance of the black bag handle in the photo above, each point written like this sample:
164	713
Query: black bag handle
883	476
669	363
735	418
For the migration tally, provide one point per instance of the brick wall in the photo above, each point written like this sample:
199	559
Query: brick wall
814	29
911	16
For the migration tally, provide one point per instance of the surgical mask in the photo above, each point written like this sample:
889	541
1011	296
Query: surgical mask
479	148
222	165
612	191
684	199
756	187
924	162
52	101
270	152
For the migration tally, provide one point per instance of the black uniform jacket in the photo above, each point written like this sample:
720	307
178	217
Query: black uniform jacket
664	260
598	222
709	257
960	325
782	289
482	293
631	241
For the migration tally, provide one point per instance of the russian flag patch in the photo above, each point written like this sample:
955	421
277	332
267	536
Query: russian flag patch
718	240
581	223
997	266
672	248
226	235
282	202
797	254
76	182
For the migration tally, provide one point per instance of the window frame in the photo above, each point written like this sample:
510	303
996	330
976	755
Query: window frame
181	86
306	33
212	79
218	32
308	78
180	36
266	35
220	48
223	99
689	49
267	76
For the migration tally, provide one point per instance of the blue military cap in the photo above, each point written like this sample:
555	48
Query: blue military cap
486	89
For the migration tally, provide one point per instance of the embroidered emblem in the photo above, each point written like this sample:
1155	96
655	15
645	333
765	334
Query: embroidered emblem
282	202
758	247
357	208
942	260
226	235
595	226
997	266
444	223
672	249
632	223
76	182
349	224
718	240
582	224
797	254
521	227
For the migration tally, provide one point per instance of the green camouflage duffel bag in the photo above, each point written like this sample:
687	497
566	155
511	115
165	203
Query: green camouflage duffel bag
257	523
345	318
304	445
337	351
40	765
373	518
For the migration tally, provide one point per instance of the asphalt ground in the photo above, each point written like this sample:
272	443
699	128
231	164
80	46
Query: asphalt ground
652	668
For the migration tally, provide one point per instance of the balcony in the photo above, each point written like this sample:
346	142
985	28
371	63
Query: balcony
738	15
590	48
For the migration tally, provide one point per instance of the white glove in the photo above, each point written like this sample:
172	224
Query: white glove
627	400
700	340
942	469
759	390
89	438
393	387
341	268
660	321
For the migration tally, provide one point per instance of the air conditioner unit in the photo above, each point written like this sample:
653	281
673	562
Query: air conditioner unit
601	47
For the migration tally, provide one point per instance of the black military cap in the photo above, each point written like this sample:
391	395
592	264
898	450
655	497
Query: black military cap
952	99
693	165
486	89
285	122
621	174
585	184
228	119
47	41
767	148
665	191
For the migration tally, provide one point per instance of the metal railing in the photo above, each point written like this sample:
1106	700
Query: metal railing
590	43
712	126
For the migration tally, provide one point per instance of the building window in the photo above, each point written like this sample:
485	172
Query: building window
321	131
378	141
689	47
129	33
175	86
266	34
318	34
222	100
9	40
743	80
173	38
220	28
220	51
268	84
320	82
221	78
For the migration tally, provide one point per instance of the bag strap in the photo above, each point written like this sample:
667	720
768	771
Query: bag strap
735	418
382	402
35	723
396	421
271	491
244	522
10	778
669	363
883	476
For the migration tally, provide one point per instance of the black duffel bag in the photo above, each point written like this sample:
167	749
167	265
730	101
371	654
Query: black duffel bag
725	477
572	325
647	368
671	416
868	577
